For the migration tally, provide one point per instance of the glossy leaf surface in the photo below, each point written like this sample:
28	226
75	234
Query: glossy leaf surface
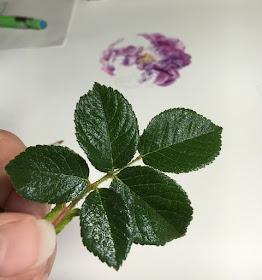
159	207
106	128
52	174
106	226
180	140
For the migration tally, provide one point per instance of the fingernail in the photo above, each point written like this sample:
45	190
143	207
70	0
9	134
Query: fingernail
25	245
48	241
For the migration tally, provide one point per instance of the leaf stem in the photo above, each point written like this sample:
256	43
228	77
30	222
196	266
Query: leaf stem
91	186
101	180
60	217
129	164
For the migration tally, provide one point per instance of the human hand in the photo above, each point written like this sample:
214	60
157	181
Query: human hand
27	242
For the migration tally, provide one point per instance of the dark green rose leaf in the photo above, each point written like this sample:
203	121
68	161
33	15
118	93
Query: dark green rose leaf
180	140
106	226
159	207
106	128
52	174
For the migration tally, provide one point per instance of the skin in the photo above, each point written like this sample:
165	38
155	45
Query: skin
14	208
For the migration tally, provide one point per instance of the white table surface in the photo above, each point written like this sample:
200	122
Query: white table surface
40	87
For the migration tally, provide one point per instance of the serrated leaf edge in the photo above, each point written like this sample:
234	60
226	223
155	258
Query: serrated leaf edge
199	167
162	174
18	190
95	254
130	107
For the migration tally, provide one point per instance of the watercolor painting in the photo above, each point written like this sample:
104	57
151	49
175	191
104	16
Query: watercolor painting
159	62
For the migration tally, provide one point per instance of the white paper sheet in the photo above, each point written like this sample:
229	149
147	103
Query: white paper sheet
57	13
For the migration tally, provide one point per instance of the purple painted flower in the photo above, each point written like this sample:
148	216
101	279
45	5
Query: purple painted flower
161	60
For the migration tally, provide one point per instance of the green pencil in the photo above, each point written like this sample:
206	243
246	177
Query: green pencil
22	22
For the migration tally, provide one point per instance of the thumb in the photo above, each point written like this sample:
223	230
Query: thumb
25	243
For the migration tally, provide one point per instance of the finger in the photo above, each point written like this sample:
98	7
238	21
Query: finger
26	244
6	218
49	265
10	200
40	273
10	146
16	203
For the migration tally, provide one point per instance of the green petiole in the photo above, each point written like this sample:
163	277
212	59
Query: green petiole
61	214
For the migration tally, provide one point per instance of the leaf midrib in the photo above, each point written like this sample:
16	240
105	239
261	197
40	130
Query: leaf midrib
108	134
53	173
102	205
173	144
148	205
